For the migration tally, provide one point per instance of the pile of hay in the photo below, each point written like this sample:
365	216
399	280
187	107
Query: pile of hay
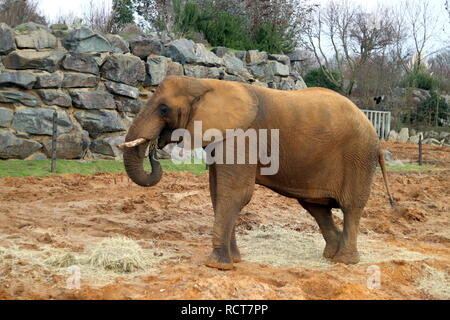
435	282
62	261
119	254
284	247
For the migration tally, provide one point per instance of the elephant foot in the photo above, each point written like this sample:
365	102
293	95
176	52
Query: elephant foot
330	249
332	244
235	255
219	260
346	257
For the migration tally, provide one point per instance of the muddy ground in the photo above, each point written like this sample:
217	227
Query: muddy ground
44	218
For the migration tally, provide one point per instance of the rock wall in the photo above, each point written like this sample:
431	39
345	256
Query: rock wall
98	83
412	136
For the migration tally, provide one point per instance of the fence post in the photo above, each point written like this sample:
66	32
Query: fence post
420	149
54	136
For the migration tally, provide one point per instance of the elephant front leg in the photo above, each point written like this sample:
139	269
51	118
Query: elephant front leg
231	189
221	257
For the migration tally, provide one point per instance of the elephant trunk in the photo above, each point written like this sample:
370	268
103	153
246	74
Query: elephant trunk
133	158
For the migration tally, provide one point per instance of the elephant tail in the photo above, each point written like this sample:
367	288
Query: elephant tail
384	172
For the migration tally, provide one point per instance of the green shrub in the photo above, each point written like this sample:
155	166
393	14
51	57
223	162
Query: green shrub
433	110
421	79
271	39
229	30
187	17
317	78
226	30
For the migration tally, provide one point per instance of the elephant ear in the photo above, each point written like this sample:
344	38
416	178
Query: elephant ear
221	105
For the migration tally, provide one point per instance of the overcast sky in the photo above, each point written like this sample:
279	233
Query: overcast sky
54	8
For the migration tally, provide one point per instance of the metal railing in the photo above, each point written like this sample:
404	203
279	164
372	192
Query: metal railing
381	121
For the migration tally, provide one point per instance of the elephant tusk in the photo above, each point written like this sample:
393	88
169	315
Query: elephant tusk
131	144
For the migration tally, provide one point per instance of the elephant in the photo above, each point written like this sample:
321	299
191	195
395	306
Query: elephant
328	153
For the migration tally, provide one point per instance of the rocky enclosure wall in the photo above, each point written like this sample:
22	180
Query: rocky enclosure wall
98	83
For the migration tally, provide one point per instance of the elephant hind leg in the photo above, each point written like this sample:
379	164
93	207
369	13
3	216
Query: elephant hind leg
348	251
323	216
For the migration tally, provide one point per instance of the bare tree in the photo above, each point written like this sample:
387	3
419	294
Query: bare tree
343	38
98	15
15	12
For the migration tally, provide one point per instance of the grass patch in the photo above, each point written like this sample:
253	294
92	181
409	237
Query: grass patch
127	36
229	49
41	168
408	166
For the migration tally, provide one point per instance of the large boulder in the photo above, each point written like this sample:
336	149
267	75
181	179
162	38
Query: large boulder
7	42
433	141
44	60
157	67
143	46
122	89
206	57
12	147
203	72
130	106
34	37
24	80
262	71
19	97
93	99
393	136
53	97
233	65
40	121
80	62
80	80
49	80
278	69
118	44
281	58
70	145
181	50
99	121
220	51
286	84
84	40
174	69
403	136
414	139
108	146
124	68
6	116
255	56
300	84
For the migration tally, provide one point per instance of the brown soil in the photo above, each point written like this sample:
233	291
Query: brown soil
41	218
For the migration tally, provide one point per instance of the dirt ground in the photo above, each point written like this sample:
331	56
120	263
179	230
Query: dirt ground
43	218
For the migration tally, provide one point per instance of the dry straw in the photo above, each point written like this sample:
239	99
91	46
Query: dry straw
119	254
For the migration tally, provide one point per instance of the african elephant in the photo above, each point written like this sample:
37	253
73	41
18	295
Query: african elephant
328	153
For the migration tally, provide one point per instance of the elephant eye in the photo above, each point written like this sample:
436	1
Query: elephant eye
163	110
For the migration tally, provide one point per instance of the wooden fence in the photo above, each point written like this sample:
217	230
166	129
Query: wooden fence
381	121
